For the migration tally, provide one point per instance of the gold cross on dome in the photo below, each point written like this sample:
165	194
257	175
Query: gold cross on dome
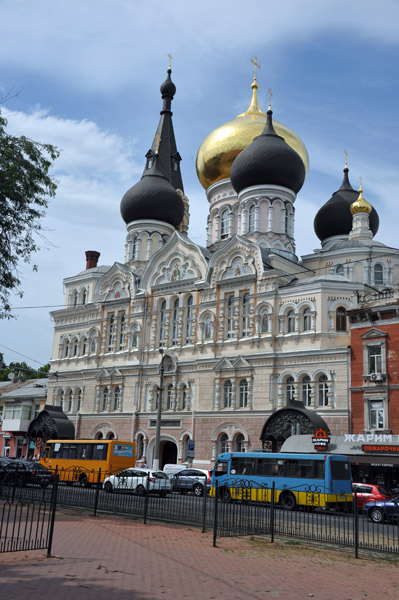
270	98
158	141
257	65
170	60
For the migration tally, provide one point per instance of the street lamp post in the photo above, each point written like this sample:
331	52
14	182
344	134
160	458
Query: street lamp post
155	462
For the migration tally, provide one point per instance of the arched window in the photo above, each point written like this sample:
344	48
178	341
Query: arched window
69	406
117	398
186	439
62	400
140	446
289	389
111	325
264	322
227	394
243	393
340	270
251	218
378	274
162	324
224	224
105	398
169	390
239	443
110	436
290	321
230	317
122	331
184	397
340	319
135	338
84	296
223	443
306	391
75	347
75	298
83	345
306	319
99	436
79	401
135	248
245	316
189	320
322	386
175	323
65	352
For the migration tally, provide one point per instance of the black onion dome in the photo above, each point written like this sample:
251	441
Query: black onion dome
268	160
153	197
335	218
168	88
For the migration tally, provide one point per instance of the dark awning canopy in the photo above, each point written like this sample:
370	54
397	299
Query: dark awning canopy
292	419
51	423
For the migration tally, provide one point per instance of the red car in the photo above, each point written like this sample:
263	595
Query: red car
367	492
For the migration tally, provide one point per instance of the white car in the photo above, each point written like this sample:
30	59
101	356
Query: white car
137	480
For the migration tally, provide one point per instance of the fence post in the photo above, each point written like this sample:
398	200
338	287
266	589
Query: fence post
97	493
355	512
147	494
215	519
53	506
204	504
272	513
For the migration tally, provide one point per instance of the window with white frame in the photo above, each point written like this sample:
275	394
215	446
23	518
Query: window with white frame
140	446
70	401
243	394
105	399
117	398
122	331
169	391
378	274
135	248
75	298
322	387
184	397
376	414
239	442
83	345
162	324
189	320
84	296
264	322
227	394
111	332
251	218
224	224
340	319
79	400
290	321
223	443
230	317
289	389
245	320
62	400
375	359
175	323
306	390
75	347
306	319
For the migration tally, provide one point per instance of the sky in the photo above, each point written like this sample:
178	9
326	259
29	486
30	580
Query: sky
84	75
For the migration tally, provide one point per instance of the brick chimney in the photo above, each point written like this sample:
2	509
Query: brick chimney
92	257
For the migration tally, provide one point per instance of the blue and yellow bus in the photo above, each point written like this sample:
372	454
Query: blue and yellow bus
317	480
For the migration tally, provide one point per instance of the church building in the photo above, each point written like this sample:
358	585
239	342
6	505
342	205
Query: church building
248	343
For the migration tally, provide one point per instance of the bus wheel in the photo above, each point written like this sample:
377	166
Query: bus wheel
83	481
224	494
288	501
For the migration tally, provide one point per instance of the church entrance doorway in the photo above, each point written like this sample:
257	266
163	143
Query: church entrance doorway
168	454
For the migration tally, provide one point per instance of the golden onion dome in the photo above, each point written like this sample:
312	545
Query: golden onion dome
218	151
361	204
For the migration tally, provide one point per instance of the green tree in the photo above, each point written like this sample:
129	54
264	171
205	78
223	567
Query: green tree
25	187
22	371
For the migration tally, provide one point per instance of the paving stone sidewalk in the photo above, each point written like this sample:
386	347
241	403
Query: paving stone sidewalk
117	558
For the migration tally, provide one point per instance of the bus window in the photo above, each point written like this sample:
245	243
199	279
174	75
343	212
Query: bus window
220	469
100	452
67	451
85	451
340	470
243	466
318	469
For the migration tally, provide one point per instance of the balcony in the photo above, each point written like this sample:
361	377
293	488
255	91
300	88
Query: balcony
18	424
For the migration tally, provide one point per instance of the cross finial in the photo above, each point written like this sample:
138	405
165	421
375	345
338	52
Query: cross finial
361	181
170	60
346	159
158	141
270	98
256	65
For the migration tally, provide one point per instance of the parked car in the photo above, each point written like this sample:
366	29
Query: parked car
383	510
136	480
366	493
191	480
24	472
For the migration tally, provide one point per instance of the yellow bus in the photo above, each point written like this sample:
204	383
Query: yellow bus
79	461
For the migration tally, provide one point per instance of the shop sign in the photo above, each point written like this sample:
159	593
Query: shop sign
320	440
386	449
371	437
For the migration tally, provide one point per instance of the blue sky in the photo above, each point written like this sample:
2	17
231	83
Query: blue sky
88	72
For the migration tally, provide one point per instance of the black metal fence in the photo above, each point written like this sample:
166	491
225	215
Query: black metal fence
27	513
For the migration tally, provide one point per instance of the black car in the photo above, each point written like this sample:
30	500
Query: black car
191	480
24	472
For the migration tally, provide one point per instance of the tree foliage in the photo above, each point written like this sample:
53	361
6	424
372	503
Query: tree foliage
22	371
25	188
